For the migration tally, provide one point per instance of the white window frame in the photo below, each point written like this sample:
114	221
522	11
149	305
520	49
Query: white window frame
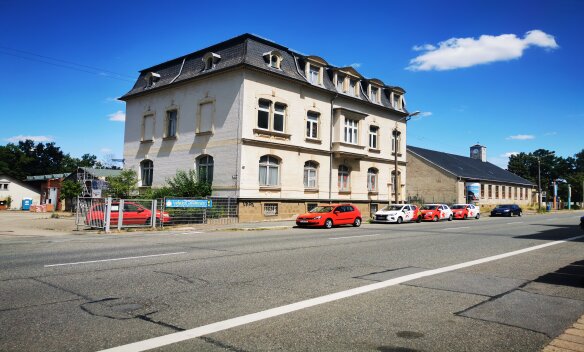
374	94
270	209
271	165
146	173
351	135
340	80
396	101
168	133
314	79
396	142
312	120
273	112
372	179
311	174
144	123
373	137
344	173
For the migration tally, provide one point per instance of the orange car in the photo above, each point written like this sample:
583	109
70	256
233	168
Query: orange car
435	212
330	215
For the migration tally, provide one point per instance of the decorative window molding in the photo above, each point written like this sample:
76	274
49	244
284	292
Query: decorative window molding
311	174
269	171
148	124
340	83
205	123
272	117
351	135
312	123
210	60
373	137
171	123
314	73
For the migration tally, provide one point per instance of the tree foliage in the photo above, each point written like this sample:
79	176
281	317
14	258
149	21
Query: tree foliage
122	186
187	184
552	168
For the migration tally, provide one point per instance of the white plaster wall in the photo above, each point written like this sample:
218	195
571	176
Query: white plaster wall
18	193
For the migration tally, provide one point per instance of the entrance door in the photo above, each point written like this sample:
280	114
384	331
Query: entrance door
53	196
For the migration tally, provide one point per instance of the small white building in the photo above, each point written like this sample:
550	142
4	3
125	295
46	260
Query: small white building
17	191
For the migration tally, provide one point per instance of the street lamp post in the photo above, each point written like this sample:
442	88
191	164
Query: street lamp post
395	148
539	180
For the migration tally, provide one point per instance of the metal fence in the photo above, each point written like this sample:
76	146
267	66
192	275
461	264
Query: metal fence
107	213
209	210
90	213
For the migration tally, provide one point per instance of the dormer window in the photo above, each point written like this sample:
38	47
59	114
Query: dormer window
340	83
352	87
273	59
374	94
397	101
151	78
210	60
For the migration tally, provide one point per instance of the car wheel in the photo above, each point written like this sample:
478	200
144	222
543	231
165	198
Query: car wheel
478	216
464	217
328	223
435	219
419	219
148	221
519	214
450	217
399	220
357	222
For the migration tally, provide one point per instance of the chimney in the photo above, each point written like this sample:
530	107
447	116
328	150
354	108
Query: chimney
478	152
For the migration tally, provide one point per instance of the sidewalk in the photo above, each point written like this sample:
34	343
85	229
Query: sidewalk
570	341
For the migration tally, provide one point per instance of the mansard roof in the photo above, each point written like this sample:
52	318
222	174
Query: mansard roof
246	50
468	168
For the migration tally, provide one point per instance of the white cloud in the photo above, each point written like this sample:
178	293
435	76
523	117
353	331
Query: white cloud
355	65
521	137
425	47
509	154
117	116
466	52
37	139
426	114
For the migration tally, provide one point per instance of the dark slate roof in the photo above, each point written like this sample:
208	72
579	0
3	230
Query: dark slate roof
46	177
468	168
245	50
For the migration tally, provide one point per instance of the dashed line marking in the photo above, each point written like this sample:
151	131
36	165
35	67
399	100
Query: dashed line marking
342	238
456	228
115	259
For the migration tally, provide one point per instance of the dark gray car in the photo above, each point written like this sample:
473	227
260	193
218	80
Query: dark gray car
507	210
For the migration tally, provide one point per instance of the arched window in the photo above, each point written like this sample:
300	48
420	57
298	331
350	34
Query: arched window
372	179
310	173
269	171
146	172
396	184
205	168
344	179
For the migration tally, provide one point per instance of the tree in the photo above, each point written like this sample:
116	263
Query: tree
70	190
187	184
122	186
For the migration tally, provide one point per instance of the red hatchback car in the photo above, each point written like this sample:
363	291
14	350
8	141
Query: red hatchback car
134	214
330	215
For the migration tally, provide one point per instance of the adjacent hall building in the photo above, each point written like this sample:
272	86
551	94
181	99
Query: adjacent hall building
276	129
437	177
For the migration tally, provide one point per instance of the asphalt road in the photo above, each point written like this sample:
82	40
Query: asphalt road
380	287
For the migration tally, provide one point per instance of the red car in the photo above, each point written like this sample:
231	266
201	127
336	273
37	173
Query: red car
330	215
465	211
435	212
134	214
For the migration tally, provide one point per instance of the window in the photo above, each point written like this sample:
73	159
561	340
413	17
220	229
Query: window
273	59
151	79
270	209
171	122
275	118
483	191
344	179
510	193
497	192
210	60
352	87
372	180
520	193
264	114
279	111
148	128
205	168
373	130
373	95
314	74
312	124
311	206
310	168
206	117
396	142
515	193
490	191
340	83
269	170
147	168
396	101
503	192
351	128
4	186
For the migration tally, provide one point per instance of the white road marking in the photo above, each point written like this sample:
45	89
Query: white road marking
550	219
456	228
342	238
516	222
115	259
274	312
189	233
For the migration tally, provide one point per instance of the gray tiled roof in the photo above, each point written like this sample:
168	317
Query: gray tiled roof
246	50
468	168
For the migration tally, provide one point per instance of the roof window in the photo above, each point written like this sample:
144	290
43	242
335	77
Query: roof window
151	78
273	59
210	60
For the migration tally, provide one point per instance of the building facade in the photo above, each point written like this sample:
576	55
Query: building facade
16	191
436	177
277	130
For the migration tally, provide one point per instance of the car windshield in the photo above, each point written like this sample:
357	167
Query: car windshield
429	207
321	210
392	208
504	206
458	206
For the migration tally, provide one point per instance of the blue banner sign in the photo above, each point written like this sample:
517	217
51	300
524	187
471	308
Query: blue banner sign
189	203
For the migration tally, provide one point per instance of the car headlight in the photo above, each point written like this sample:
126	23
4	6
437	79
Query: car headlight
317	217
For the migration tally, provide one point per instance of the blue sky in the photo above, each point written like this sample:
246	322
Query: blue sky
505	74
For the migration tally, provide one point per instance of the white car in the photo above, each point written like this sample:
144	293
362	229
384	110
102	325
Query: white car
465	211
436	212
397	213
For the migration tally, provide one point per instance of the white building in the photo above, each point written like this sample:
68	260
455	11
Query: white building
17	191
278	130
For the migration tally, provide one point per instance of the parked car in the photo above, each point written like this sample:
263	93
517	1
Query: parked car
465	211
582	222
506	210
398	213
330	215
134	214
435	212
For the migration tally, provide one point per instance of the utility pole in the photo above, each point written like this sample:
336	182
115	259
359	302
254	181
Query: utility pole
396	145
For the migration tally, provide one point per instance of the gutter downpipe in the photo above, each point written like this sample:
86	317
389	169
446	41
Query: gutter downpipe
180	71
331	148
